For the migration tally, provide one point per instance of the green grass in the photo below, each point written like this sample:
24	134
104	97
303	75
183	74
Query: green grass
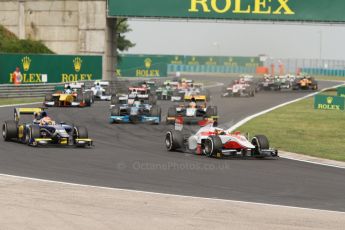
10	101
9	43
300	129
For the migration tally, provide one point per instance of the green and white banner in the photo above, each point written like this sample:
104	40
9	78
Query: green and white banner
268	10
326	102
36	68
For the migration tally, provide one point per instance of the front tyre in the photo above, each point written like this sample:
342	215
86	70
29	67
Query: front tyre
174	140
260	142
212	146
80	132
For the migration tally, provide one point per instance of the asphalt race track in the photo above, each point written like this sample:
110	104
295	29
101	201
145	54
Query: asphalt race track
134	157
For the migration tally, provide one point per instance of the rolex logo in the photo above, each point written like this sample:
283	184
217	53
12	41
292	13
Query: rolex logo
26	63
329	100
77	64
148	63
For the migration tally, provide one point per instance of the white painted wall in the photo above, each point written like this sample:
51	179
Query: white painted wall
65	26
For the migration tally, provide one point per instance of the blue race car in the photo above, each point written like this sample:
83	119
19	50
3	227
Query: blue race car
139	111
43	130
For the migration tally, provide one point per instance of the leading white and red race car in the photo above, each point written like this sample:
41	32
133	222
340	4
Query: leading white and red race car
216	142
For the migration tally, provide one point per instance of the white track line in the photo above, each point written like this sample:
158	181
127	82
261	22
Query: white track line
33	103
313	162
166	194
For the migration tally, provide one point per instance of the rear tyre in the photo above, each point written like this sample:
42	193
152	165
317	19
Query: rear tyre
88	99
212	146
9	130
260	142
174	140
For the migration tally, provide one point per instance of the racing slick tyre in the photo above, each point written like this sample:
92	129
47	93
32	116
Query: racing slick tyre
174	140
80	132
9	130
260	142
156	112
114	100
212	146
88	99
33	132
171	113
314	86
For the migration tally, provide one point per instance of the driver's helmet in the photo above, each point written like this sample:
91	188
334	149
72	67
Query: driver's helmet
44	114
192	104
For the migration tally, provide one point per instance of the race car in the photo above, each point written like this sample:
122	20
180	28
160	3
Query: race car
141	93
136	111
165	92
239	88
43	130
305	83
216	142
193	110
181	94
276	83
101	90
71	95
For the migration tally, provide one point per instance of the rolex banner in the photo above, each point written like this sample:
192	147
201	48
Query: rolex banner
149	65
269	10
326	102
36	68
142	66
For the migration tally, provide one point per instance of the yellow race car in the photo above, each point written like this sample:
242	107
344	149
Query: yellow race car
72	95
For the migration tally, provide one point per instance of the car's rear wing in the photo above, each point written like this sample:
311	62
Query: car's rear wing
26	111
196	97
75	85
102	83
